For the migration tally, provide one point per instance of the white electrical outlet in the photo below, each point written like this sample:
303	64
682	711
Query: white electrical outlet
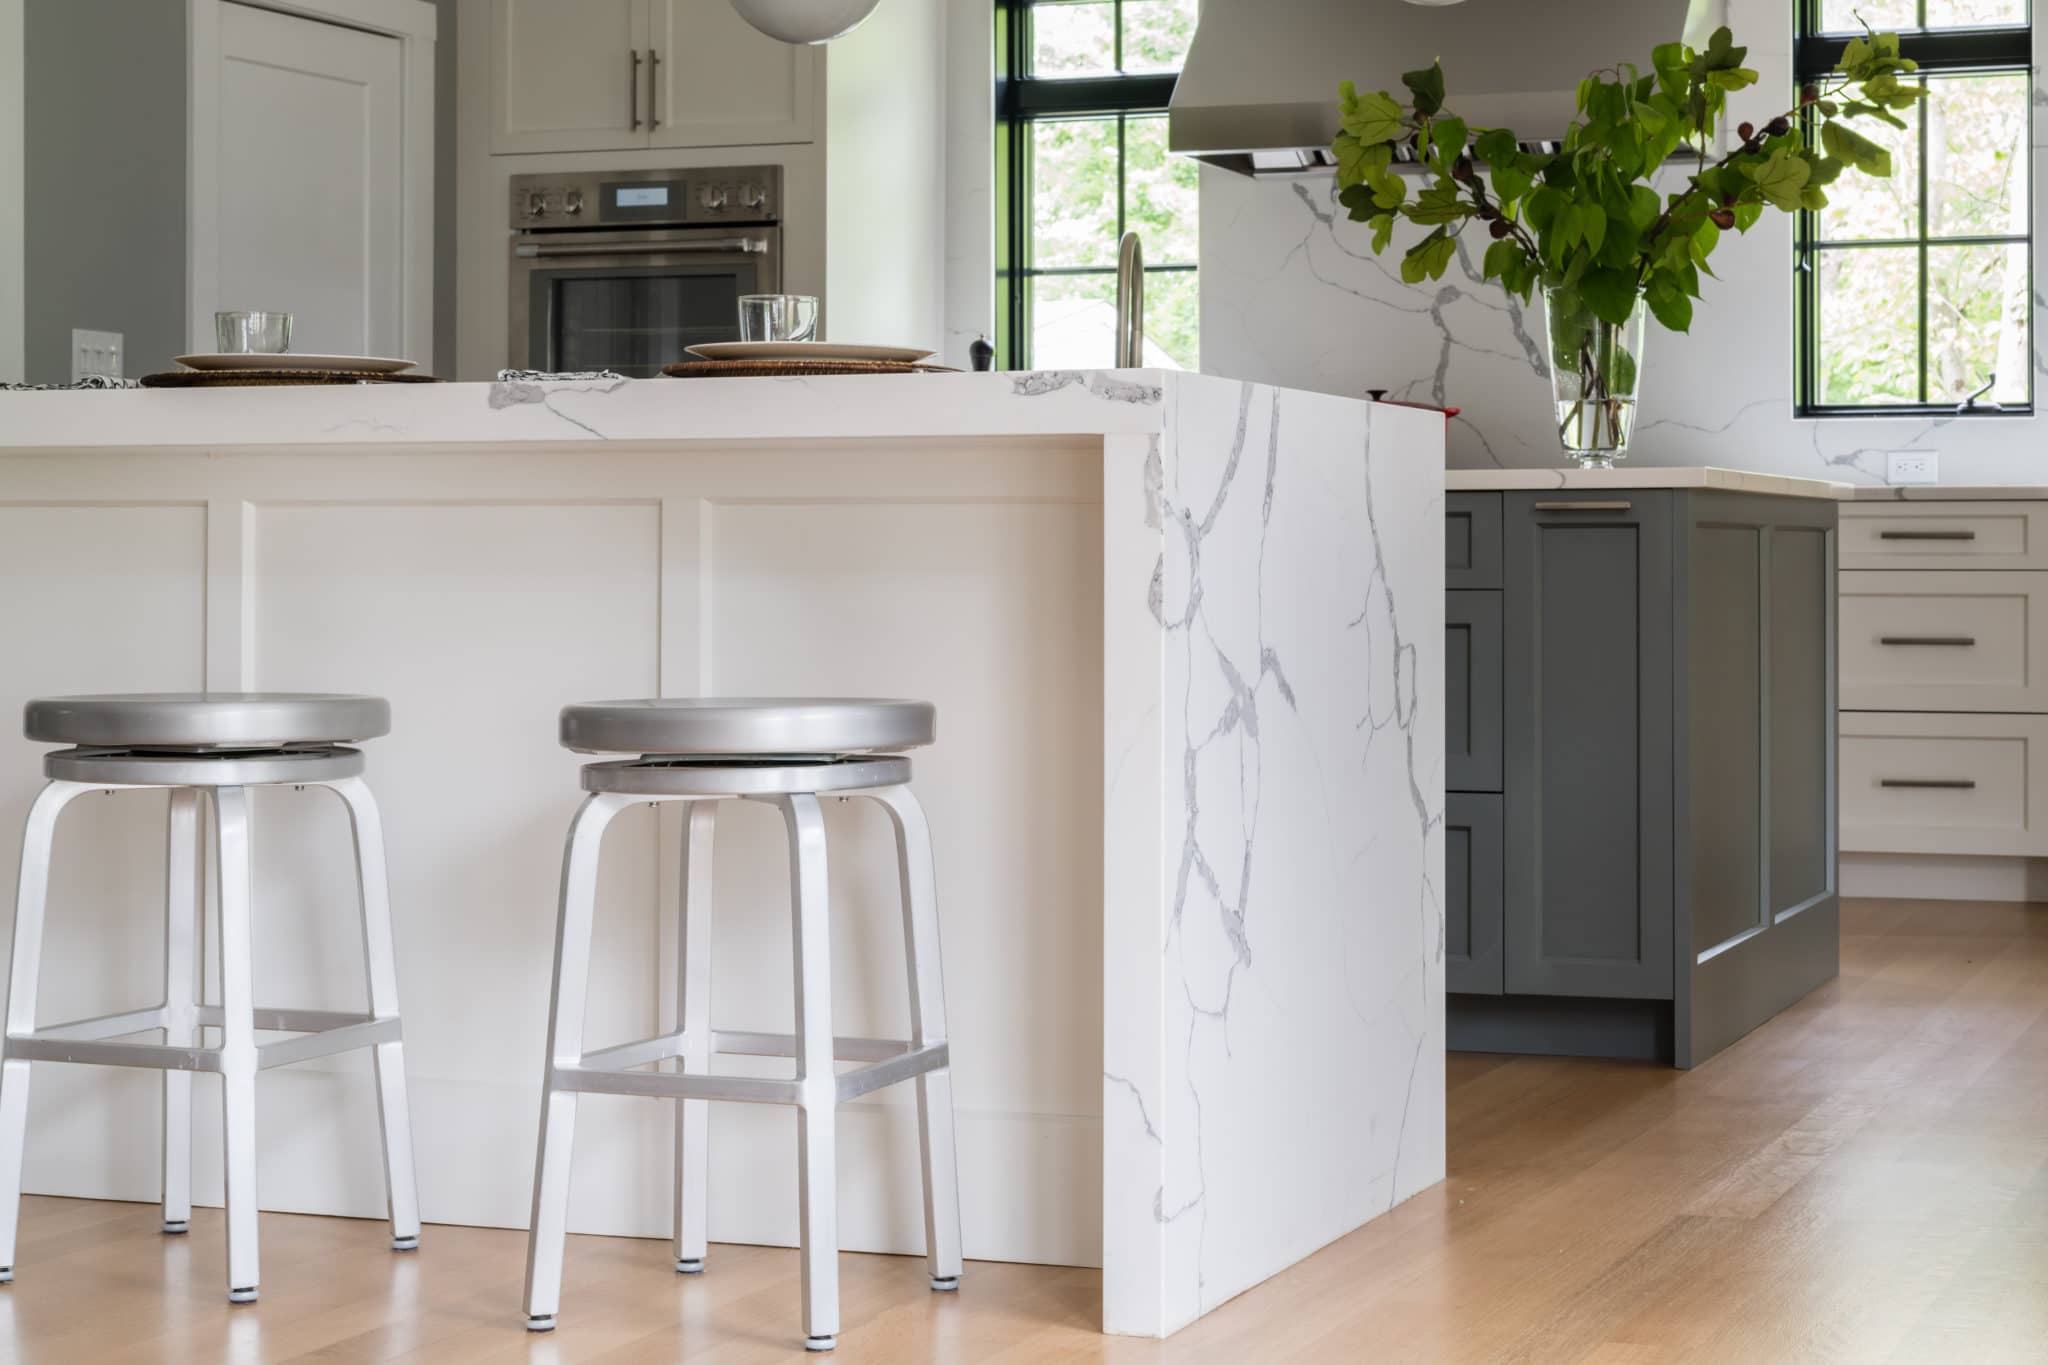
95	353
1912	466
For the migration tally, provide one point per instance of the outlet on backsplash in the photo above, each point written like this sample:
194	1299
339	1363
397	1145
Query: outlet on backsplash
1912	466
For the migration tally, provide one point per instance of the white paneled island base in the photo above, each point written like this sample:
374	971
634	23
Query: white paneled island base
1185	637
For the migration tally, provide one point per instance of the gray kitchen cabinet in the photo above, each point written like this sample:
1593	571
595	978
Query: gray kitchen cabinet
1472	893
1472	695
1667	775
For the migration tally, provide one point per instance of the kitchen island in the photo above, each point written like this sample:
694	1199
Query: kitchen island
1641	827
1185	638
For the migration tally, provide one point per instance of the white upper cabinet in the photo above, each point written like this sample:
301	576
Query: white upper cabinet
604	75
561	75
720	82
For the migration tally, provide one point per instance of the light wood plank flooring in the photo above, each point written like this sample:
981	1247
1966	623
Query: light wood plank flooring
1865	1179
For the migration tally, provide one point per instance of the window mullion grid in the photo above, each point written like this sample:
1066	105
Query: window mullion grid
1923	122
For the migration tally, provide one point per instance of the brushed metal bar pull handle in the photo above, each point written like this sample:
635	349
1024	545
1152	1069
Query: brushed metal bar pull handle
1960	784
1958	641
1926	535
745	246
653	89
1621	505
633	91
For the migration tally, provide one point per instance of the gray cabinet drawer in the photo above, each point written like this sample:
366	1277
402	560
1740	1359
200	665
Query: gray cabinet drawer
1472	894
1472	691
1472	540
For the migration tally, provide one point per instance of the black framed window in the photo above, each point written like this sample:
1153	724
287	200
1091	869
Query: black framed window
1081	93
1915	293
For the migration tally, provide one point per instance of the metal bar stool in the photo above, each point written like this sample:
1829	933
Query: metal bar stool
216	746
785	753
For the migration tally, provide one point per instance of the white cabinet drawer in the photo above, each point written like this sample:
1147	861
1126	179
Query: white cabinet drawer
1921	783
1930	641
1944	535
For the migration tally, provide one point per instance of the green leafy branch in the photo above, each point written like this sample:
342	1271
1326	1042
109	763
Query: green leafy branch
1586	220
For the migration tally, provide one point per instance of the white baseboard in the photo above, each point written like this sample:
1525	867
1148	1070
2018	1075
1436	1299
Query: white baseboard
1936	876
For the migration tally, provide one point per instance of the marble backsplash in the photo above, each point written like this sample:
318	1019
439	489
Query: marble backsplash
1292	295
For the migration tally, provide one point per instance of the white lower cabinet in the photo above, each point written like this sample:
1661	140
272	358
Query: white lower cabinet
1943	670
1921	782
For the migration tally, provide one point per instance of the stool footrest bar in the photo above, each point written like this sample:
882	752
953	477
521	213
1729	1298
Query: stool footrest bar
326	1042
157	1056
106	1025
784	1045
322	1033
676	1086
900	1068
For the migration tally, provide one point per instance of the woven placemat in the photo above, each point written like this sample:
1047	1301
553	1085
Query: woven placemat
254	379
760	369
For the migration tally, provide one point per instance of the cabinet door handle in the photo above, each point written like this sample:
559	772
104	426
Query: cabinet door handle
1960	784
1959	641
1926	535
633	91
653	89
1621	505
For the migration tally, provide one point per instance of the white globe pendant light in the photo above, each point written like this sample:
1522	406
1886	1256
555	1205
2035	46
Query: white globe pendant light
805	21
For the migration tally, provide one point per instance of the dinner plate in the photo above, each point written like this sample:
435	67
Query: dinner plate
298	360
805	350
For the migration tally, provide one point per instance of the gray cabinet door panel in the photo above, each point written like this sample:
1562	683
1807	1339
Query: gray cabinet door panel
1472	540
1756	911
1472	691
1472	894
1587	624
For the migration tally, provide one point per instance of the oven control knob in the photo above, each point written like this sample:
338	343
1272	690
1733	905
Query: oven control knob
572	201
714	197
536	203
755	196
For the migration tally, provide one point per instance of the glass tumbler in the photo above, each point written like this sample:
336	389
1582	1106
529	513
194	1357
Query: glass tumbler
778	317
246	333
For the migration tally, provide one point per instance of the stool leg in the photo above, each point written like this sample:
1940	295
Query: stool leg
817	1112
238	1038
928	1025
181	1000
693	1021
31	896
550	1221
380	961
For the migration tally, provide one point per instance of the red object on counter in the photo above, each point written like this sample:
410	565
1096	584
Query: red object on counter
1380	396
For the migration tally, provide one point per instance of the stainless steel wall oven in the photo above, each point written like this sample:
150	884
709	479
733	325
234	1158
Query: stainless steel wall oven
621	270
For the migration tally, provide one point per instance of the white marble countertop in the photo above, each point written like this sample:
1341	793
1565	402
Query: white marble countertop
1952	492
1018	403
1646	476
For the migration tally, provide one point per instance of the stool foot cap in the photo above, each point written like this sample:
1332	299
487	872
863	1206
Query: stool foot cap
945	1284
175	1226
242	1295
545	1323
690	1267
411	1243
821	1343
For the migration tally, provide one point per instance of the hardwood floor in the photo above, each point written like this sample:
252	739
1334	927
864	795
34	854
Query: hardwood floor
1863	1179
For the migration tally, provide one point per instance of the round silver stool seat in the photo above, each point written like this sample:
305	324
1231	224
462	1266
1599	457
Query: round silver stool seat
207	720
211	749
753	727
783	752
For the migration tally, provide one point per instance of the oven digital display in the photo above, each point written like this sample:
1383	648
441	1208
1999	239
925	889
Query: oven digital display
641	196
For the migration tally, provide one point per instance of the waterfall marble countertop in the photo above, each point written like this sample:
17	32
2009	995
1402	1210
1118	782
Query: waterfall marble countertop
1650	476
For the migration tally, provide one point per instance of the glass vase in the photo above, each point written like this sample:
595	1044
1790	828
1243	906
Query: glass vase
1594	368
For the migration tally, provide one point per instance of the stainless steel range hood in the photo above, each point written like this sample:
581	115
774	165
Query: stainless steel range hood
1258	93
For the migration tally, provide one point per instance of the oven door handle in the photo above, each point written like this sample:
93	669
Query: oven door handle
749	246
